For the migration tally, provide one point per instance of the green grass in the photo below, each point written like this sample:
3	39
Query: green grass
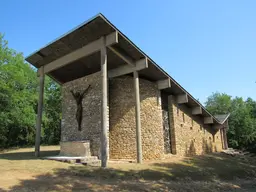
21	171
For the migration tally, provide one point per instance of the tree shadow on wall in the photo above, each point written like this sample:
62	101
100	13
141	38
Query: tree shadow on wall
207	147
202	173
191	150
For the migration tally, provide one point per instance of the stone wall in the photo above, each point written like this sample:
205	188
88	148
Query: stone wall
91	122
122	119
191	135
187	134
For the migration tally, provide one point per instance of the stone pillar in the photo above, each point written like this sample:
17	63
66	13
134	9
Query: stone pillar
104	107
41	75
172	125
137	116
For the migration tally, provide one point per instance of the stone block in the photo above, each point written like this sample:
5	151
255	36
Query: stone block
75	148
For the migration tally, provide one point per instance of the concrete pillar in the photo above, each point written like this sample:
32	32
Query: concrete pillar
104	107
225	138
172	124
137	116
39	111
222	138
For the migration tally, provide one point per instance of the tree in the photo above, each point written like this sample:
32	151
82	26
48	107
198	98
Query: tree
241	124
52	113
242	120
18	102
219	103
18	95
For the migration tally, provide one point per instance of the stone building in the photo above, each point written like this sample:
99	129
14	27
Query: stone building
118	103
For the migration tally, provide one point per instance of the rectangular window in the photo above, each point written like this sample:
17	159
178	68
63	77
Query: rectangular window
183	116
178	111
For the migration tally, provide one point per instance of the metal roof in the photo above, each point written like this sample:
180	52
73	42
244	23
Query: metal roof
90	31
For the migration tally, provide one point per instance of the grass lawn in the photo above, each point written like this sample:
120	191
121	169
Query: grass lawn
21	171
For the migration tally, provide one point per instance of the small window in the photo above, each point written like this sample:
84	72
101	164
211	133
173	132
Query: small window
191	128
210	138
181	124
217	137
183	116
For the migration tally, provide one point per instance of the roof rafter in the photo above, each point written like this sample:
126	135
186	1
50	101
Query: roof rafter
126	69
181	99
164	84
123	56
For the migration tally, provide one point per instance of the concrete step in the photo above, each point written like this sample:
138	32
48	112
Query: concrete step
91	162
88	160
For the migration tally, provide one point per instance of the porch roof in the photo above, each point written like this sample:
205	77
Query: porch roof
89	32
222	117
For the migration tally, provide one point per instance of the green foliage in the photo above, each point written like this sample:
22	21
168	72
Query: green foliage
18	100
52	106
219	103
242	120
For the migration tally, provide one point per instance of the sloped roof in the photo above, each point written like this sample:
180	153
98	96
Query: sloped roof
90	31
222	117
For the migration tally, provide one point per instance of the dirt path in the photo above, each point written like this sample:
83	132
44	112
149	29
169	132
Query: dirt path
21	171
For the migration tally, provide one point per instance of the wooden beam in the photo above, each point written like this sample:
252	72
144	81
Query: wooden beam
104	107
41	75
126	69
182	98
82	52
208	120
197	110
137	116
123	56
164	84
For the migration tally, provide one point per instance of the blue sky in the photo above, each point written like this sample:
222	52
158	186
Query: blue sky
207	45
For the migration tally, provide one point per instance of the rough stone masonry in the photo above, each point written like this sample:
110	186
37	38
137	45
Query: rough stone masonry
166	126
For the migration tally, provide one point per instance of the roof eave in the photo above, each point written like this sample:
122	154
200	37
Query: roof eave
67	33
